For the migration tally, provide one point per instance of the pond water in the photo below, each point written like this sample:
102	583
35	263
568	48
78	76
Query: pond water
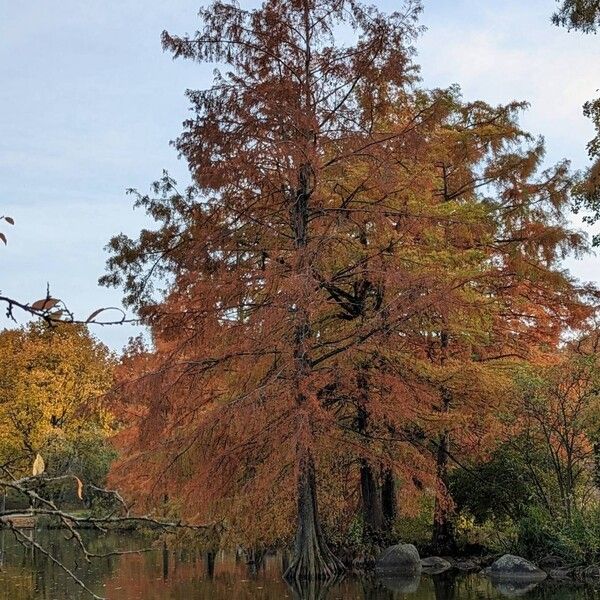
181	575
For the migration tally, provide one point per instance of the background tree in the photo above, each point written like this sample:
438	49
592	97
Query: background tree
52	378
559	420
539	485
584	16
521	301
51	382
490	214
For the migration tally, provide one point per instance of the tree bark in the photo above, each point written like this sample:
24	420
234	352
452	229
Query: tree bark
165	561
371	504
388	499
312	559
210	564
370	490
597	464
443	540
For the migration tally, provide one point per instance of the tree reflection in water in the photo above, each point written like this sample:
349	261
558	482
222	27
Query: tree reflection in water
185	574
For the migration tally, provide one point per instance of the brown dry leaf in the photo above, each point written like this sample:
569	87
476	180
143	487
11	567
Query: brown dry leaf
79	488
45	304
38	466
94	314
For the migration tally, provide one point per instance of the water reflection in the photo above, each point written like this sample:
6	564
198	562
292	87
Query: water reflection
515	589
402	585
311	590
187	575
443	585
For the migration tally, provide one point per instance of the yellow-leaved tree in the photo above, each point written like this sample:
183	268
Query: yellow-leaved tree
51	380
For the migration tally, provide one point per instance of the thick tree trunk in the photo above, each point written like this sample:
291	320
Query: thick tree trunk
312	559
371	504
388	499
443	541
165	561
597	464
370	490
210	564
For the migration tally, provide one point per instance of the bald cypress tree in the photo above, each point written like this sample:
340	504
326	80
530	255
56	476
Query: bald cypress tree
267	144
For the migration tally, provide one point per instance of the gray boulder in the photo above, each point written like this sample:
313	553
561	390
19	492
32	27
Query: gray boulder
434	565
401	560
515	568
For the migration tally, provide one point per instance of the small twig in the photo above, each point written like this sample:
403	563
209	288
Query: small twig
113	493
47	315
38	505
25	541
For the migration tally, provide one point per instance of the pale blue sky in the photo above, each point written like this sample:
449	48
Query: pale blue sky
88	104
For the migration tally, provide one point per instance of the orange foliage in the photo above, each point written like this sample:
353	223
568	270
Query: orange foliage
340	221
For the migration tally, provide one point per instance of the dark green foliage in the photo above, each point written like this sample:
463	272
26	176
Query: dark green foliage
87	456
576	541
497	489
583	15
587	192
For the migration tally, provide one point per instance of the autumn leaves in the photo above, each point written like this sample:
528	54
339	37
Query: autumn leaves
339	297
8	220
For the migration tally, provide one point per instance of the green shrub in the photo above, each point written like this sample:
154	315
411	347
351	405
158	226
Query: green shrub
577	541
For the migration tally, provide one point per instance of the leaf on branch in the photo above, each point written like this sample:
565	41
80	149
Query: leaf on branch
79	488
95	314
38	466
45	304
3	238
9	220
